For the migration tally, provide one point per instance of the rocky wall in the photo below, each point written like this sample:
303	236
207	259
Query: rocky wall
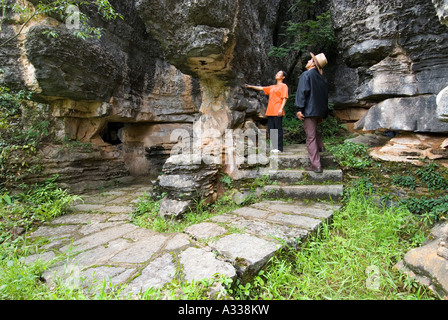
224	44
392	63
117	94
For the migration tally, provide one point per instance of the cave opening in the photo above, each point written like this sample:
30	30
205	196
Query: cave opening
112	133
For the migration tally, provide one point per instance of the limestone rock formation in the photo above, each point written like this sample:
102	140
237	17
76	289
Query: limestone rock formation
222	43
181	65
116	93
393	56
428	264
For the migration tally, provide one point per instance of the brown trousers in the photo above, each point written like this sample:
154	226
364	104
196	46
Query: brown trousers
314	142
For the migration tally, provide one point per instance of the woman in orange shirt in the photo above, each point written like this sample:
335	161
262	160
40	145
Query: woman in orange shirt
278	94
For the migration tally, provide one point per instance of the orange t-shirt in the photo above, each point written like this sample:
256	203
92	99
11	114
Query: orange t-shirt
276	95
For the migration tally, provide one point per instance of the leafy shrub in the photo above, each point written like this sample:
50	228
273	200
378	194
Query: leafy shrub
351	155
404	181
39	204
435	206
23	127
433	178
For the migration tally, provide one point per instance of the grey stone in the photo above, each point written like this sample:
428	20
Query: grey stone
296	221
251	212
293	176
102	254
173	208
86	207
81	218
141	251
199	264
117	209
426	264
270	231
177	242
424	260
370	140
94	227
159	272
54	232
315	210
416	114
205	230
112	276
247	253
45	257
381	68
100	238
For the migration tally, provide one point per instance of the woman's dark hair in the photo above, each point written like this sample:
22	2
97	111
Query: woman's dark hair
284	74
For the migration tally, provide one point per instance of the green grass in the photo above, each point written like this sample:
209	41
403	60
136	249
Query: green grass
146	215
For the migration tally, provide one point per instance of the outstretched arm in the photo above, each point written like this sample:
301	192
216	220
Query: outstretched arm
254	87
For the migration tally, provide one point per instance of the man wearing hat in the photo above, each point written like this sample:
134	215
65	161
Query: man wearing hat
312	106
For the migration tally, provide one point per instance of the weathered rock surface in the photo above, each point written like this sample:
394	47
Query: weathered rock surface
428	264
394	60
411	148
116	93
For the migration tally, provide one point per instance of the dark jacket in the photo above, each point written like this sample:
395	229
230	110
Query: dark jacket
312	94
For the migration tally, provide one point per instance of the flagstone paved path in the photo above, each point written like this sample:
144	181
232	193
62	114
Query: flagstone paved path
97	241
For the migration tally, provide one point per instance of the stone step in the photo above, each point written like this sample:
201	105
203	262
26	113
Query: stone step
293	176
287	160
323	192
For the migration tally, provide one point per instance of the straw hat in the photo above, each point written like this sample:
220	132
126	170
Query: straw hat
320	61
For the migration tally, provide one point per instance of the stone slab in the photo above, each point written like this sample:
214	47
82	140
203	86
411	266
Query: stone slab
54	232
79	218
272	232
247	253
299	175
101	237
200	264
296	221
111	275
177	242
141	251
315	210
158	272
101	254
251	212
424	260
205	230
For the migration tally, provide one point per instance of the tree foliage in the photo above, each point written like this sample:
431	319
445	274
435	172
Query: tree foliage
308	30
67	11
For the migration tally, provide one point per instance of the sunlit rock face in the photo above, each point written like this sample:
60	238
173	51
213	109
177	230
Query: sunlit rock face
224	44
116	94
394	55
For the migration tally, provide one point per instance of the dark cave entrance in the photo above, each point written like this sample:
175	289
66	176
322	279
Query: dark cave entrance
112	133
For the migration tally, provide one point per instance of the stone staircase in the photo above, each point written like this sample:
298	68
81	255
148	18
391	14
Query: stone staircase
289	179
